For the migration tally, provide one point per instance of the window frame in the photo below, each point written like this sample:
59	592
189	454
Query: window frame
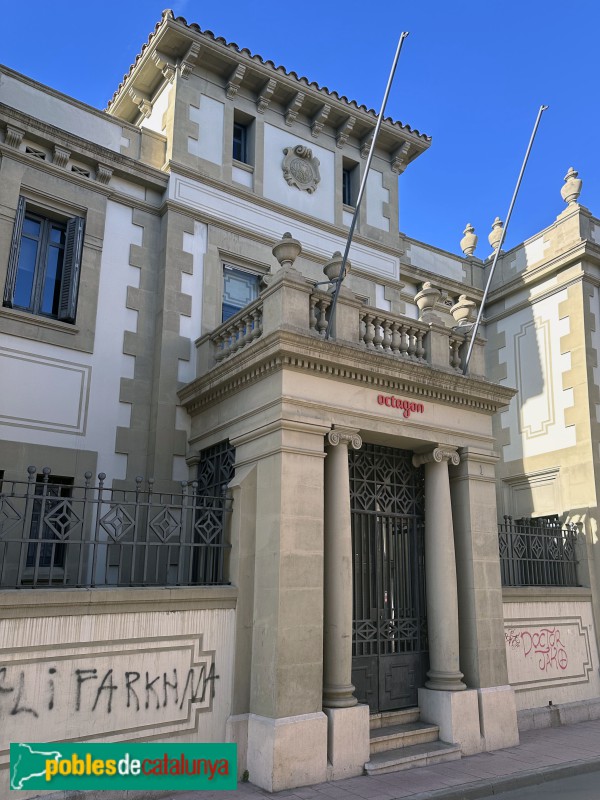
65	308
226	265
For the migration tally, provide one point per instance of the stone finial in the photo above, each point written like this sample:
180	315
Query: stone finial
572	189
426	300
333	266
495	237
287	250
469	241
464	311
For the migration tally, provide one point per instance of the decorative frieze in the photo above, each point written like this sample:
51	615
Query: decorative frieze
319	120
301	168
344	132
188	61
264	98
235	81
294	107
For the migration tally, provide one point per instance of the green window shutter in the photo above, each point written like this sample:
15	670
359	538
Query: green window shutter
71	268
13	258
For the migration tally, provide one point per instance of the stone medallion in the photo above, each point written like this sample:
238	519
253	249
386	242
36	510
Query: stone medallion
300	168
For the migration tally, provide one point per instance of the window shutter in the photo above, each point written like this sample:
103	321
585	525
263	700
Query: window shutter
71	267
13	258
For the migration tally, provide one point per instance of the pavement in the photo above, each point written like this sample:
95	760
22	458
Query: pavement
542	756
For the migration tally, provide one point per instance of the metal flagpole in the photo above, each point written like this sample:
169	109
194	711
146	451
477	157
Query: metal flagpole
363	183
500	243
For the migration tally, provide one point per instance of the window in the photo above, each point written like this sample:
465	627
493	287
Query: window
51	521
239	289
44	264
240	142
349	181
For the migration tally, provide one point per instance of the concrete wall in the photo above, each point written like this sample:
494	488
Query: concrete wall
551	647
118	665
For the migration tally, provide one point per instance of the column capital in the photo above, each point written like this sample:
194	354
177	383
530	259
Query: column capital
347	436
437	455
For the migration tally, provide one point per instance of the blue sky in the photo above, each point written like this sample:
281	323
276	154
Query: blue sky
472	75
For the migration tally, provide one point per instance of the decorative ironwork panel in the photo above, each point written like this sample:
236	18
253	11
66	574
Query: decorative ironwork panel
537	552
387	505
54	533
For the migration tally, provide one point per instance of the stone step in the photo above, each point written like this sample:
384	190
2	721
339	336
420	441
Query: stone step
402	717
393	737
418	755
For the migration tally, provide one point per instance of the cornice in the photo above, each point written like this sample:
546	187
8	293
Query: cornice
290	348
543	269
527	303
182	38
124	165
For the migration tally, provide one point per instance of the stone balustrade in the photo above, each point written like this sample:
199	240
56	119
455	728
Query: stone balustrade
393	335
291	302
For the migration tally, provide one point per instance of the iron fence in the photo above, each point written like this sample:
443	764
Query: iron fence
54	534
537	553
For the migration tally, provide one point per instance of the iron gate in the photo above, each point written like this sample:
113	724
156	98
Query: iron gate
390	656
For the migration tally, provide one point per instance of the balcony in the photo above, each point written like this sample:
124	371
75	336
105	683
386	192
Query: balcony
292	302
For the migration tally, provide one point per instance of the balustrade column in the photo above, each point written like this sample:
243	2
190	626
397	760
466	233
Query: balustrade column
338	691
440	572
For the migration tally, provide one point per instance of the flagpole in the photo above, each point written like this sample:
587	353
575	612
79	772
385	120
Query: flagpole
500	243
363	183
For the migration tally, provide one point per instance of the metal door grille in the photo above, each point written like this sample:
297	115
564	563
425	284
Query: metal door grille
387	504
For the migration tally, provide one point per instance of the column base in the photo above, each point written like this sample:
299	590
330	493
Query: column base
339	696
348	741
445	681
236	730
498	717
457	714
288	752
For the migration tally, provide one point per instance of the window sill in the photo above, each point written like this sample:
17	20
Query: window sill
243	165
349	209
42	322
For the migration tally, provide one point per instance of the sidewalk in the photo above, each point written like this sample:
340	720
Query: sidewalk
543	755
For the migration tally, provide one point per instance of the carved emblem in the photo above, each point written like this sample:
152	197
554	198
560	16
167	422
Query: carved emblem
300	168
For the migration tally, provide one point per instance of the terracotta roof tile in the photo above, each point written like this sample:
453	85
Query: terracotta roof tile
168	14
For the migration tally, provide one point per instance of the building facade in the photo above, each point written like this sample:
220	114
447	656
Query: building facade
216	522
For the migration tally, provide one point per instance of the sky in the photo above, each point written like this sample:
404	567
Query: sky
472	75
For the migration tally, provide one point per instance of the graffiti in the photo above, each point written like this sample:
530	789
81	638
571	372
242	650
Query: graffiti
545	643
102	691
512	638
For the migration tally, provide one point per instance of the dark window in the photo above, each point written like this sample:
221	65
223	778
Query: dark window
349	181
240	142
239	289
346	188
44	263
51	519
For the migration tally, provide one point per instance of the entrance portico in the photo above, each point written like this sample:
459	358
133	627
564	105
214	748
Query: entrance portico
293	406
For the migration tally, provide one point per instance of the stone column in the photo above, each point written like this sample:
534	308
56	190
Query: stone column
338	691
440	572
347	720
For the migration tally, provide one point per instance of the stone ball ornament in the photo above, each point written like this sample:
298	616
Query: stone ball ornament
301	168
